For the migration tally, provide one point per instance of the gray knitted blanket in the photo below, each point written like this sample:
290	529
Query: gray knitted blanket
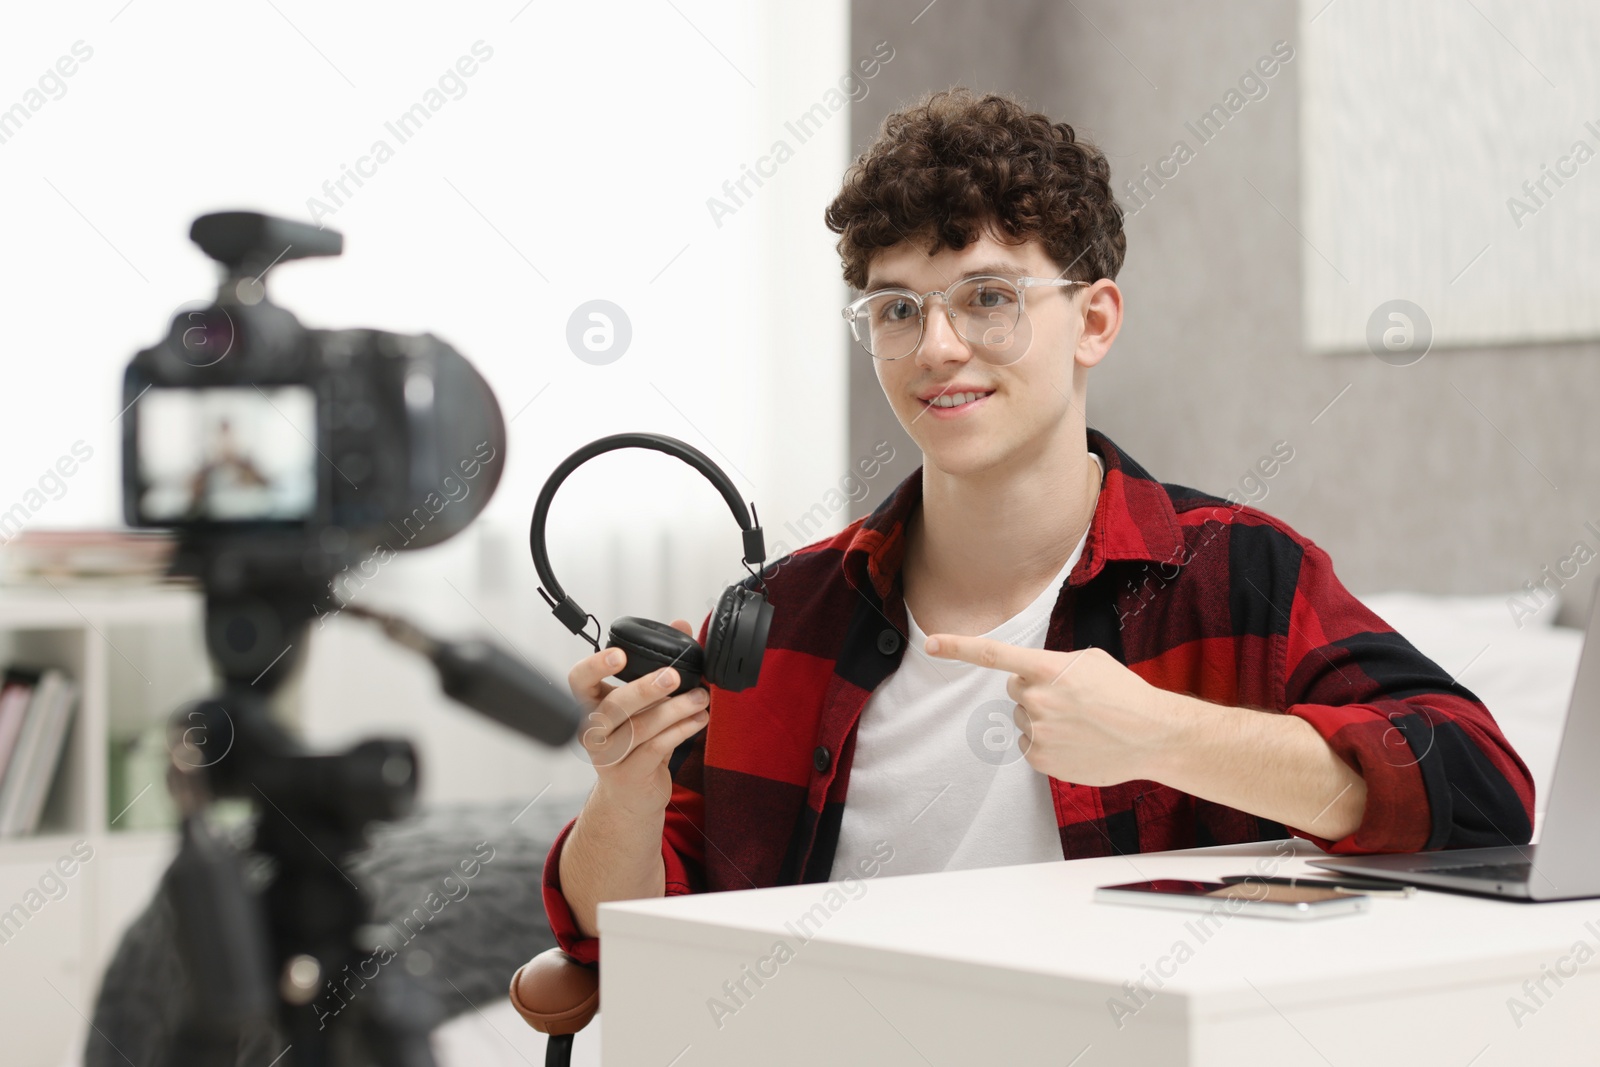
476	931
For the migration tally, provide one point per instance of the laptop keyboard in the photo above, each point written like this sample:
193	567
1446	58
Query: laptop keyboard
1495	872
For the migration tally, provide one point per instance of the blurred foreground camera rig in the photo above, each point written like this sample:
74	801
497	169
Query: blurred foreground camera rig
281	456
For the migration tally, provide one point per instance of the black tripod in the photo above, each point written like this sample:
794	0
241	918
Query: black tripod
300	950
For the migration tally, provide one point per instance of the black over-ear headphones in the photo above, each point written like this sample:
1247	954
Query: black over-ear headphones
737	635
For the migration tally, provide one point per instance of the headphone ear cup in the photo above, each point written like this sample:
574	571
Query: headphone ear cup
651	645
737	638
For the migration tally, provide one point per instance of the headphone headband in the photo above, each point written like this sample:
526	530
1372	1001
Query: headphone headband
566	609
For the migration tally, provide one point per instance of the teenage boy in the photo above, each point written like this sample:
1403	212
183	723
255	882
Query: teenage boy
1032	649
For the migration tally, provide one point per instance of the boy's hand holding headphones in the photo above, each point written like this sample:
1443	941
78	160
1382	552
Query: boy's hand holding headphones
630	731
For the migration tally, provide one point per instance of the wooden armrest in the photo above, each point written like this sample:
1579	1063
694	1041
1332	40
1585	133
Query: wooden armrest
555	993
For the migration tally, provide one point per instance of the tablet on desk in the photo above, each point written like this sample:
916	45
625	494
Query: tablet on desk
1241	898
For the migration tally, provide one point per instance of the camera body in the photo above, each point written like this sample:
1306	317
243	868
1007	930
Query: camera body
285	454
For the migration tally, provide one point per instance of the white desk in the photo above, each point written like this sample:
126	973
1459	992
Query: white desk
1017	965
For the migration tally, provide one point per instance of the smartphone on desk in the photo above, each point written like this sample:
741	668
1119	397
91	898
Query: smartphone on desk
1241	898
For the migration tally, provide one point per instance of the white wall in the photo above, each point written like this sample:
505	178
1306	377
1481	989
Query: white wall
576	165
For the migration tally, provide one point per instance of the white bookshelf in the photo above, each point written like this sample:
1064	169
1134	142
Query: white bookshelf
137	652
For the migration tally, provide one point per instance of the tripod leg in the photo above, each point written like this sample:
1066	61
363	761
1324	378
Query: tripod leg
222	944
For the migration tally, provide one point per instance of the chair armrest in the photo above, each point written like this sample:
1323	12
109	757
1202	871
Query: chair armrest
555	993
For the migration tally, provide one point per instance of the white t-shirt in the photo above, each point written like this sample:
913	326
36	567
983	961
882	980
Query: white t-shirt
937	772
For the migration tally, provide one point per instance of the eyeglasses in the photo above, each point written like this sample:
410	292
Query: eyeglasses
984	309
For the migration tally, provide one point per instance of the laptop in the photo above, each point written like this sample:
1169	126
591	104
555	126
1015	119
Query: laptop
1565	864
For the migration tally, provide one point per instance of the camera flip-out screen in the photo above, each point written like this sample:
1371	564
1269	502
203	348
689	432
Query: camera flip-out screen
233	454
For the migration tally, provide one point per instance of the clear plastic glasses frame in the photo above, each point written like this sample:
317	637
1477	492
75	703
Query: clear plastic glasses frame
984	325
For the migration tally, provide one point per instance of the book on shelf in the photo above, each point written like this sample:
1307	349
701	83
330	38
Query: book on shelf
16	686
48	700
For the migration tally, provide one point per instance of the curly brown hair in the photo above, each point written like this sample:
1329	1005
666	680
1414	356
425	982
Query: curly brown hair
955	163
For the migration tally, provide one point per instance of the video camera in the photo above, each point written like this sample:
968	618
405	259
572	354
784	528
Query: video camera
282	456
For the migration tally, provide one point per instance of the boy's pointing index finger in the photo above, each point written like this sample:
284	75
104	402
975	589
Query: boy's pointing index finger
1032	664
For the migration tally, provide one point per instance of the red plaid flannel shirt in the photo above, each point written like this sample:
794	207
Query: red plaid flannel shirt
1194	593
